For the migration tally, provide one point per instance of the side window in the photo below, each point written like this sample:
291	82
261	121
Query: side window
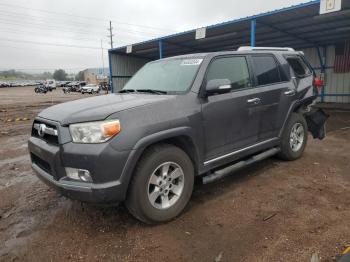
233	68
266	70
299	67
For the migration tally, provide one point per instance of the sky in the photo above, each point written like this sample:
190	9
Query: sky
43	35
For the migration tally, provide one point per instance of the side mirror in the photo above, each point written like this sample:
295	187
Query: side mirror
218	86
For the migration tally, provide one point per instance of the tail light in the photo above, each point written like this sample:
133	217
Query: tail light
318	83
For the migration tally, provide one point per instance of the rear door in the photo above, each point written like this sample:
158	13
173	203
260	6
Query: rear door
230	121
276	94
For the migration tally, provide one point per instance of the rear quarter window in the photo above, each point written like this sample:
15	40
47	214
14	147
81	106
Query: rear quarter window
299	67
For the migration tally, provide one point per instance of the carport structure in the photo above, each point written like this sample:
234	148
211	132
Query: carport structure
300	26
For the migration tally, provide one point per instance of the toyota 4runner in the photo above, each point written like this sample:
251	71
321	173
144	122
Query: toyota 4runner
201	115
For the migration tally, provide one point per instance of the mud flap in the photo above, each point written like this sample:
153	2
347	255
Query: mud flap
316	120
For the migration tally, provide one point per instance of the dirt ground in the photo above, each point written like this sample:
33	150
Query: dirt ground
272	211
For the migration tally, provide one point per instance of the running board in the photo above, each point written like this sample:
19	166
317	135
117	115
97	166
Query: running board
230	169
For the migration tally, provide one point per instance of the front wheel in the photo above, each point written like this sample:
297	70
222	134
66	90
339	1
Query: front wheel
162	184
294	138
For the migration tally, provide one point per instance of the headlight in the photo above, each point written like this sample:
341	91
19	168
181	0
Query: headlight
94	132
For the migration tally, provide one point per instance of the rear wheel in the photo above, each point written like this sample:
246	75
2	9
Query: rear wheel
294	138
162	184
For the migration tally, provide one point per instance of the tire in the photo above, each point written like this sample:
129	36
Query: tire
293	145
36	90
142	187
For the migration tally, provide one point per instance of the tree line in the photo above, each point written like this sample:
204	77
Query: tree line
58	74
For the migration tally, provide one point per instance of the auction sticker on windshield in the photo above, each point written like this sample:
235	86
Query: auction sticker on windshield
188	62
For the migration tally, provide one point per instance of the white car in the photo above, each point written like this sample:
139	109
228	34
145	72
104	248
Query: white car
50	83
91	88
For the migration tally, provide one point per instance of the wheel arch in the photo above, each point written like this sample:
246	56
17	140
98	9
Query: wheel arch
180	137
297	107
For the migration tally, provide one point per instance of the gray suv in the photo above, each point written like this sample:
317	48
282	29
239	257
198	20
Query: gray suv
203	115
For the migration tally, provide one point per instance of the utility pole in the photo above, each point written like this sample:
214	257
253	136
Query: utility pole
103	65
111	33
111	41
103	61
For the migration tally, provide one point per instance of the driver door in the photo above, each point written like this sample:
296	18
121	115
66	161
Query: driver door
230	120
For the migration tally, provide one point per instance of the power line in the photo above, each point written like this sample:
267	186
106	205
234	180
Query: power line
18	49
69	22
46	34
85	17
43	43
64	23
45	26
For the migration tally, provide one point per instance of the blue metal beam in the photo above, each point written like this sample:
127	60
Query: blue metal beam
110	71
252	32
160	43
335	95
323	66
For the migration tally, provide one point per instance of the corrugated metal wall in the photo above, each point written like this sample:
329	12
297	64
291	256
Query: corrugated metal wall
336	84
123	67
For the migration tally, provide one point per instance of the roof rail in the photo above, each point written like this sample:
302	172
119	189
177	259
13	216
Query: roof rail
250	48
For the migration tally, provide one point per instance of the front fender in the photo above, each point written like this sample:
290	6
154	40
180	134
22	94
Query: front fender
146	141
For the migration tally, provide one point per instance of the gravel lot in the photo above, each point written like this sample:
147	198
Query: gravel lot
272	211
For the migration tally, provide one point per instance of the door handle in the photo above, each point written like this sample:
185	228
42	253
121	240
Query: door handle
254	101
289	92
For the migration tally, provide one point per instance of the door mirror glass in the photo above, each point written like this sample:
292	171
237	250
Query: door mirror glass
218	86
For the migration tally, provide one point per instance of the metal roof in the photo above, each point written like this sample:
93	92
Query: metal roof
298	26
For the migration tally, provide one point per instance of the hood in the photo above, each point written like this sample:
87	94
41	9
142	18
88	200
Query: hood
98	107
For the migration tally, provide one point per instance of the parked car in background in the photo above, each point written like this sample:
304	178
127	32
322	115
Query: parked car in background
50	84
177	118
42	89
4	84
90	88
74	86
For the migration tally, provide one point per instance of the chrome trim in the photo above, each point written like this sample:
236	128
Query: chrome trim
254	101
238	151
43	129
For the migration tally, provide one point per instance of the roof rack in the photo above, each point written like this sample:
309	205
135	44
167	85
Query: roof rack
250	48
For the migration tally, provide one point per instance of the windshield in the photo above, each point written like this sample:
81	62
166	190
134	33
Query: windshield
173	75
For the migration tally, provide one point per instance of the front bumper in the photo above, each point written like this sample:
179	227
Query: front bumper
111	192
105	164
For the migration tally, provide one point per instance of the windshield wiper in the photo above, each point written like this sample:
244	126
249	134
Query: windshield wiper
127	91
153	91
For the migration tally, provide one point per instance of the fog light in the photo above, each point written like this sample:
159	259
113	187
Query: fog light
78	174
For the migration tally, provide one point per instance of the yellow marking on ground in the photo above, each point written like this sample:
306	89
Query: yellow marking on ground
16	119
346	251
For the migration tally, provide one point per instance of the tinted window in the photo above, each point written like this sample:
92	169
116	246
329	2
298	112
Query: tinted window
234	69
298	66
266	70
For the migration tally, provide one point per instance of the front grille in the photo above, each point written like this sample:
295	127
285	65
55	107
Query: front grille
45	131
41	163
